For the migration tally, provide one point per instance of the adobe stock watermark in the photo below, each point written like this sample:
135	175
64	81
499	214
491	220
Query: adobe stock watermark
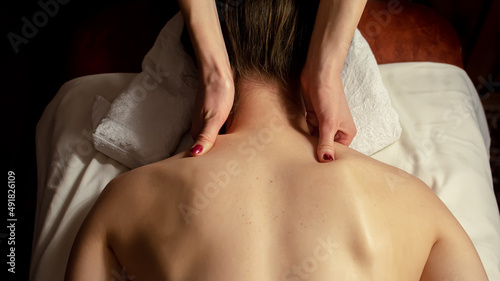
250	147
39	19
382	18
454	118
311	264
424	149
487	86
396	179
150	82
83	146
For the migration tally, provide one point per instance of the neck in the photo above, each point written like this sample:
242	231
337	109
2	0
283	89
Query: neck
265	105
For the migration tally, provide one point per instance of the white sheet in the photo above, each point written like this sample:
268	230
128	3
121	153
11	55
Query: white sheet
444	142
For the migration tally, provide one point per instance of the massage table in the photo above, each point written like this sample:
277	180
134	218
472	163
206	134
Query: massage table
444	141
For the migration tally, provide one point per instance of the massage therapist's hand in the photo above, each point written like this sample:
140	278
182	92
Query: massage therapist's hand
213	103
327	113
216	87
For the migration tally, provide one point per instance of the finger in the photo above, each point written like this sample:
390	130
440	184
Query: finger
311	119
346	134
325	150
343	138
313	130
196	126
312	123
206	139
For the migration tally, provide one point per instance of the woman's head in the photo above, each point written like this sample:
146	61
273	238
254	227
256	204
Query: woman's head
267	40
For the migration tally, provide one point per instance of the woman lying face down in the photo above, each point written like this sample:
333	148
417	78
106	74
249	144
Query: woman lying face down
259	206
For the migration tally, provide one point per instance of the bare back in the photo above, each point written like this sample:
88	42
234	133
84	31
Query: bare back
251	210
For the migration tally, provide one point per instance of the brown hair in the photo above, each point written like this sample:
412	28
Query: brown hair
267	39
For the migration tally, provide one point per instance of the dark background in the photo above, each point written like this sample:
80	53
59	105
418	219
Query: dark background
32	77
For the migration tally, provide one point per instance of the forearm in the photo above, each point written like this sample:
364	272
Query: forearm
334	28
206	36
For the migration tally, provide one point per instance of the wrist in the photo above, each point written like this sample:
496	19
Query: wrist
210	59
323	66
216	64
216	74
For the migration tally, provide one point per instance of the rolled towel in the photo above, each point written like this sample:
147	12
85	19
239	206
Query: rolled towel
150	120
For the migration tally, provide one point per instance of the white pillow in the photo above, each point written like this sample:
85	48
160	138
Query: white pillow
150	120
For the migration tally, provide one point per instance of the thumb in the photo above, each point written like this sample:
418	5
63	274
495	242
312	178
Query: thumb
325	150
206	139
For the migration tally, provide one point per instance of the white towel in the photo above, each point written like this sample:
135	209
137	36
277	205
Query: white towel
150	120
376	120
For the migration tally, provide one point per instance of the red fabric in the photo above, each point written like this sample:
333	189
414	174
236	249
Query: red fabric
400	31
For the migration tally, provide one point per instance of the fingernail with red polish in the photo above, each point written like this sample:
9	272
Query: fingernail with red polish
197	149
328	157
